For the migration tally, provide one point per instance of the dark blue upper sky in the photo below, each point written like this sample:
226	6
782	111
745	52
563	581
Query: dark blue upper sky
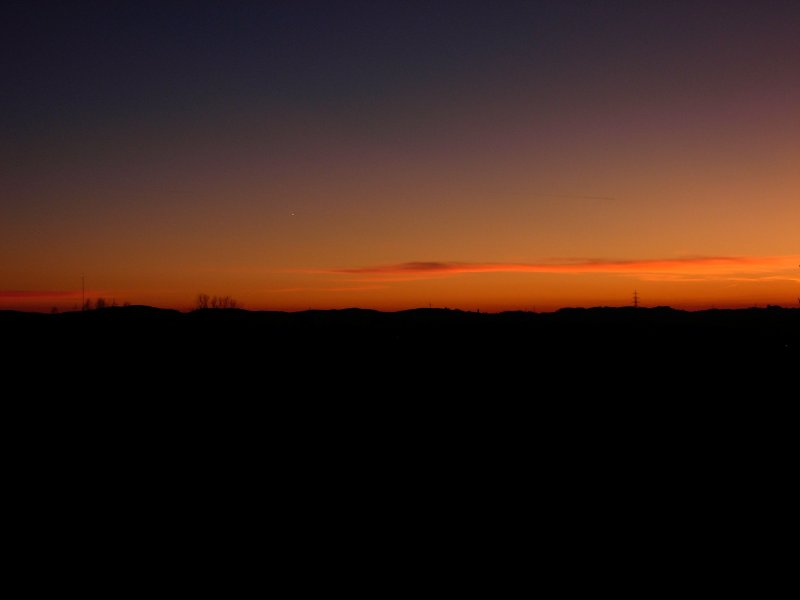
66	62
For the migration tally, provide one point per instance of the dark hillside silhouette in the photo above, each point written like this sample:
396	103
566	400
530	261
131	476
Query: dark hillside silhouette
576	391
358	344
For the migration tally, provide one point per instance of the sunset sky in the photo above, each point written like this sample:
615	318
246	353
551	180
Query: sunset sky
479	155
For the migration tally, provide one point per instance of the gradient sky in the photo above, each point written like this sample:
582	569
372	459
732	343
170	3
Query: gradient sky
480	155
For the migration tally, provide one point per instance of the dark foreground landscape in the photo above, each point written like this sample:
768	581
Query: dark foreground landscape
502	377
415	417
350	348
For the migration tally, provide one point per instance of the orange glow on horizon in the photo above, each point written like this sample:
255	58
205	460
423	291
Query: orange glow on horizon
690	283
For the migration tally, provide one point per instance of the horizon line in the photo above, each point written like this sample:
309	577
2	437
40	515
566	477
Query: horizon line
759	306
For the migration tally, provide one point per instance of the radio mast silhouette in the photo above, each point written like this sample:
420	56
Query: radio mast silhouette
83	292
635	299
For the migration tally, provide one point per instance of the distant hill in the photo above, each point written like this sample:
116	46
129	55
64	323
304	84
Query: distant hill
625	333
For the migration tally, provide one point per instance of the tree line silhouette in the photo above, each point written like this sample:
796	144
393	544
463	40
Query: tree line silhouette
205	301
97	304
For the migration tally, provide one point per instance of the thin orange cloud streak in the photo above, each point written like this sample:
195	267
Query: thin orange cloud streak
703	265
17	294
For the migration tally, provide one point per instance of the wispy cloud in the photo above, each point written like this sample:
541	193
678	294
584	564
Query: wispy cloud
332	289
36	294
746	278
696	266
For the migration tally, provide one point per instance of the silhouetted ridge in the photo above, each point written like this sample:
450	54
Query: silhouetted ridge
462	340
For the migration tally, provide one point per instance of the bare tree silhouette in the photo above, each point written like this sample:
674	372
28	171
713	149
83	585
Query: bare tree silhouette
205	301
